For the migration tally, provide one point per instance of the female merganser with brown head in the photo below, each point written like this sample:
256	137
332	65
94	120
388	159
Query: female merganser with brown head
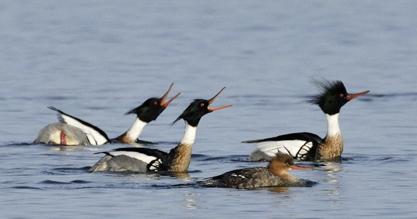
152	160
308	146
274	175
74	131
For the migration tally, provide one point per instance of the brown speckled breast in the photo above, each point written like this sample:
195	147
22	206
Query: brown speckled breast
179	158
124	139
331	149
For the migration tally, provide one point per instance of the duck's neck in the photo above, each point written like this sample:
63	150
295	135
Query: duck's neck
282	173
132	134
333	128
289	178
189	135
332	147
180	156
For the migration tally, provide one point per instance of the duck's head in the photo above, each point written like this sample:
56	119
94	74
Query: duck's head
281	163
153	107
198	108
334	96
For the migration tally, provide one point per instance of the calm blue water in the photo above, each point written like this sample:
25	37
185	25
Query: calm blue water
98	59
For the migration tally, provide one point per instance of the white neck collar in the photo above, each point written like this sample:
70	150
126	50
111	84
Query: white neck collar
189	134
136	129
333	124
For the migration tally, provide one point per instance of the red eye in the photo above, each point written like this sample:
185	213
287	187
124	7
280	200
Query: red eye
202	104
155	103
341	95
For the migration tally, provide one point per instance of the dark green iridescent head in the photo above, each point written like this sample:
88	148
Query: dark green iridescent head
198	108
334	95
153	107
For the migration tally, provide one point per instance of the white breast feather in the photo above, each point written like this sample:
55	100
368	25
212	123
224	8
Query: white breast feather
98	139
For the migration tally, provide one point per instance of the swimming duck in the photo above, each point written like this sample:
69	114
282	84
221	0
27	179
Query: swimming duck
307	146
152	160
274	175
71	130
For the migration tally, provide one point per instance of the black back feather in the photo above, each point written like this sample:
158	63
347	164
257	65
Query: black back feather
305	136
82	122
147	151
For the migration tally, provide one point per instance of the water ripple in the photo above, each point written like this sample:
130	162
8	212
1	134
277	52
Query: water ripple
53	182
67	170
26	187
17	144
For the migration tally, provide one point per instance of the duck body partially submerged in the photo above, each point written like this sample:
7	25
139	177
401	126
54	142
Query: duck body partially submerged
274	175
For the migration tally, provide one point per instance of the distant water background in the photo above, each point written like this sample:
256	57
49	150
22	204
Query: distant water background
98	59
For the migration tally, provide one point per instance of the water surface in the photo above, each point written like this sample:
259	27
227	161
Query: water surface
98	59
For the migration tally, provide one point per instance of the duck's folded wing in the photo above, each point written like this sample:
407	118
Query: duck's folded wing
95	135
234	178
300	146
154	159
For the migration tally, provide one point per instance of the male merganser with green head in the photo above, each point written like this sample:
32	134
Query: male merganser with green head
308	146
71	130
144	160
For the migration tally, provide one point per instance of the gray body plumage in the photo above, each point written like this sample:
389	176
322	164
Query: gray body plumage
120	163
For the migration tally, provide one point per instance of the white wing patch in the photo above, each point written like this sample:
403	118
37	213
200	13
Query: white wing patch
302	153
236	175
155	165
135	155
93	136
296	148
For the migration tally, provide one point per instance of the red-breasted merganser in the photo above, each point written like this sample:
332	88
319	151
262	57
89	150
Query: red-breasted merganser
308	146
274	175
71	130
152	160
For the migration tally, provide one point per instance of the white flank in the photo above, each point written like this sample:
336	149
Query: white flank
55	137
189	134
136	129
93	136
91	139
135	155
333	125
271	148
